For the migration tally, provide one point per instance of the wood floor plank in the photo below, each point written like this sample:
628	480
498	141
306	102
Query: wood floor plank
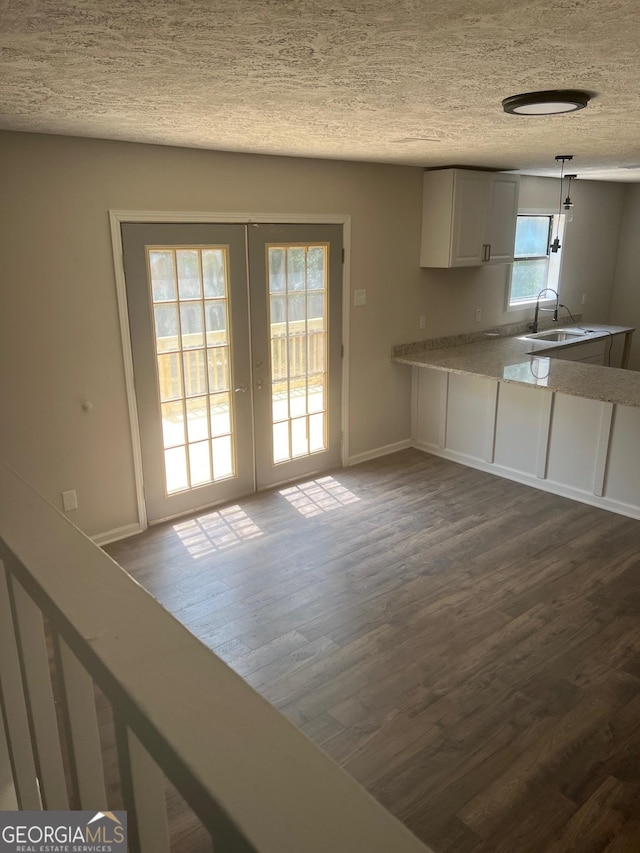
594	826
453	837
534	766
438	782
626	839
255	659
467	647
531	823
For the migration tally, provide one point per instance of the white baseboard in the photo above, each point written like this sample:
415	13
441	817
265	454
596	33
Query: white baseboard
378	452
117	533
530	480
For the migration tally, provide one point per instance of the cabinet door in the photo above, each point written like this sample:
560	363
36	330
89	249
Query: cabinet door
503	210
592	352
471	207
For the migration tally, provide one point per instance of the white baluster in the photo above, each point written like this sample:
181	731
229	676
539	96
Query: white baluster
15	708
143	792
83	730
35	666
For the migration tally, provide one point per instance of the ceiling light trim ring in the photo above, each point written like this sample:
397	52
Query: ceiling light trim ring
549	102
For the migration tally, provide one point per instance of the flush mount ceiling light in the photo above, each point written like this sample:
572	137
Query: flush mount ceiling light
552	102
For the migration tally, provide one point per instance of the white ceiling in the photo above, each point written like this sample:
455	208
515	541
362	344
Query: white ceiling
396	81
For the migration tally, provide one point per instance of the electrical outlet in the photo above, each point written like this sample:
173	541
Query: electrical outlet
584	298
478	314
422	322
360	297
69	500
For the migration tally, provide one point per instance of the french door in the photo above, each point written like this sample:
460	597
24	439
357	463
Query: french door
236	341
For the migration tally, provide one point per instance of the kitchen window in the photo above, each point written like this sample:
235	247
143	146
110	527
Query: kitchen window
535	266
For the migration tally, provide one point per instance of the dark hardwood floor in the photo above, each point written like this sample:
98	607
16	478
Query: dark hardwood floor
465	647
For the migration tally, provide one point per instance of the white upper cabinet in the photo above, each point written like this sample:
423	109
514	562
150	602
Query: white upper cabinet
468	212
468	218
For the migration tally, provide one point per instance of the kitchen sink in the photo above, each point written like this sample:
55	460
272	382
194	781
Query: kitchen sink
556	335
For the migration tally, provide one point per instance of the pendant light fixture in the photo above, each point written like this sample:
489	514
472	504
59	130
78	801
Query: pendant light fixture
562	159
568	204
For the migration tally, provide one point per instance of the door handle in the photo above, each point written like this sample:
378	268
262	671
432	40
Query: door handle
241	389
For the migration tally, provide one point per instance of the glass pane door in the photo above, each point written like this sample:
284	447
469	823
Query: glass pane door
190	298
298	329
296	311
189	320
213	425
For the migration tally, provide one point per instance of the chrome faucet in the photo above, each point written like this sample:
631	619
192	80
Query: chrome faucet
534	326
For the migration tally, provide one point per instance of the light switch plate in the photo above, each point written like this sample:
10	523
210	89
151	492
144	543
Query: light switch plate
359	297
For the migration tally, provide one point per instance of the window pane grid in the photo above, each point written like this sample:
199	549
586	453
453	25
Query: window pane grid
532	236
298	332
191	322
528	279
534	267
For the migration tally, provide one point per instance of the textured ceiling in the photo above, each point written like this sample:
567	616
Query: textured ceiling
399	81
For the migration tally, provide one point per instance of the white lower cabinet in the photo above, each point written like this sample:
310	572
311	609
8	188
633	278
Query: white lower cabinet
470	415
429	406
521	411
622	477
608	350
573	446
592	352
574	440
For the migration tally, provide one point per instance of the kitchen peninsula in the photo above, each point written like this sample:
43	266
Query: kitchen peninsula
522	408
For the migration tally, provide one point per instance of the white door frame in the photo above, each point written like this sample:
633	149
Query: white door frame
117	217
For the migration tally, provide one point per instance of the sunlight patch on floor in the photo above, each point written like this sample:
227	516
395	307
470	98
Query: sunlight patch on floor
216	531
318	496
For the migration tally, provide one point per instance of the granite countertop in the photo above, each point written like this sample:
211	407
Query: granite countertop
516	358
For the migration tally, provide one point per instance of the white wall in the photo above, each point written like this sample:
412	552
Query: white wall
59	333
625	302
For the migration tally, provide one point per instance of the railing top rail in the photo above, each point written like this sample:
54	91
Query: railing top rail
220	742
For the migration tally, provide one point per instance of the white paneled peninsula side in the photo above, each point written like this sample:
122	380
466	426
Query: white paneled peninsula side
524	409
